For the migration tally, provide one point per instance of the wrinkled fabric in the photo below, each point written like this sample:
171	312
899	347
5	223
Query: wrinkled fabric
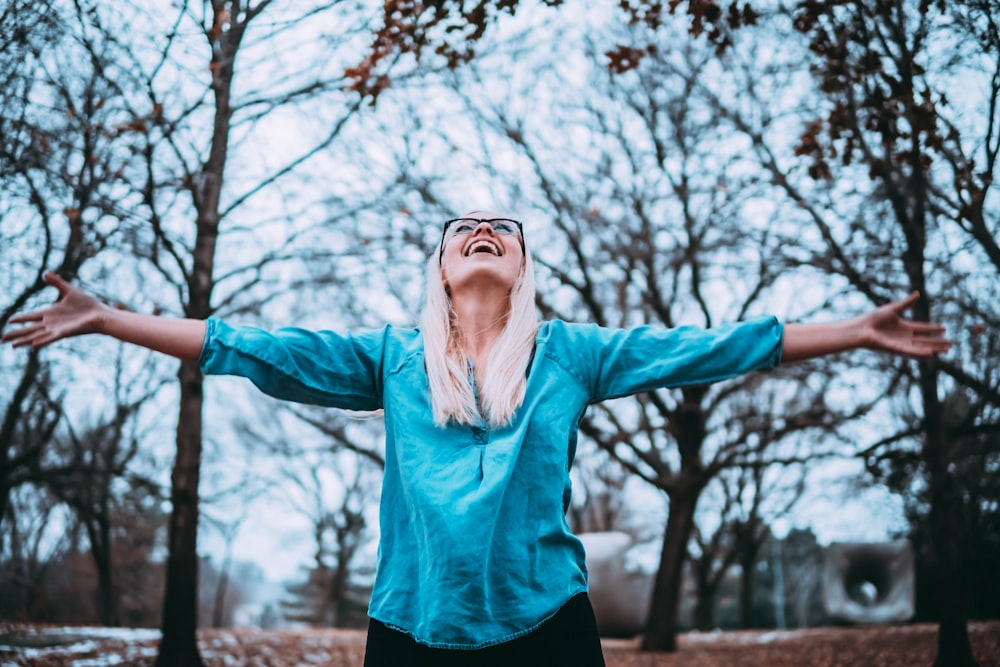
475	549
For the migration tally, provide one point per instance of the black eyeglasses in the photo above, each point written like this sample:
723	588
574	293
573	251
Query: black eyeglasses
463	226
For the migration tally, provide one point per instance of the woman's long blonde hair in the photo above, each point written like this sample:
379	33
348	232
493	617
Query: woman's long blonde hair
502	391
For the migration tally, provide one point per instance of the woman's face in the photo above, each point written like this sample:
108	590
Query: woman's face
482	246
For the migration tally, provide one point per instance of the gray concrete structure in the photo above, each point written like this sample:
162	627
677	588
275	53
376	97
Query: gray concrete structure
869	583
619	590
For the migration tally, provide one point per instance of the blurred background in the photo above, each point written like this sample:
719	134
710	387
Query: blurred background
290	164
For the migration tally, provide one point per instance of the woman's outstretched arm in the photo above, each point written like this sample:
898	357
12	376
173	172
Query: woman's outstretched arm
883	329
77	313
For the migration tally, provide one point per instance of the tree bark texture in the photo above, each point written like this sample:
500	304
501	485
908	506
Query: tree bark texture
661	628
8	465
954	647
180	601
179	646
748	563
99	534
704	608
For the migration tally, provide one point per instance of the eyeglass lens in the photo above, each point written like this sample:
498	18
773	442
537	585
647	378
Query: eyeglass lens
468	225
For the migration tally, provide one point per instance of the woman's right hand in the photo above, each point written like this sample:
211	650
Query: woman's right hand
74	314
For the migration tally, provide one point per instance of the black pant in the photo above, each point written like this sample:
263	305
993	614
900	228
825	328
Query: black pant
569	638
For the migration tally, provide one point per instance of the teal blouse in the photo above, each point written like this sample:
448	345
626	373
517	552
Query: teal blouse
475	549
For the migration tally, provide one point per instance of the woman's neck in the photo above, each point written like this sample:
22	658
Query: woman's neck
480	319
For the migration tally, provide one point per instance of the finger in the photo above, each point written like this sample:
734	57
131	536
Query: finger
930	348
55	280
43	340
32	343
925	328
916	344
904	304
932	341
34	316
25	341
935	346
38	338
17	334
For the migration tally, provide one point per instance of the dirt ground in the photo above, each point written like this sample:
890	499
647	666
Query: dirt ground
905	646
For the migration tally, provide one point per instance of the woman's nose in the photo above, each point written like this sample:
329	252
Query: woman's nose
488	228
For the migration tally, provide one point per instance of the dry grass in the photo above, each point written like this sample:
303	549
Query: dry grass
910	645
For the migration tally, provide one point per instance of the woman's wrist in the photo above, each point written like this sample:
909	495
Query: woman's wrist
103	319
806	341
857	334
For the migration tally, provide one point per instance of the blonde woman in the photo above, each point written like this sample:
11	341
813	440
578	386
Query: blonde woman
482	403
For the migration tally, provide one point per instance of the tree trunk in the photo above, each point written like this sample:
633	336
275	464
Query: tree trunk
222	587
748	564
337	594
706	587
661	628
954	648
179	647
100	549
219	606
9	425
704	608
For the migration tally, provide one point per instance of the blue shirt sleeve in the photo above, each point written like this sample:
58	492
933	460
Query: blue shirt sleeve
318	367
620	362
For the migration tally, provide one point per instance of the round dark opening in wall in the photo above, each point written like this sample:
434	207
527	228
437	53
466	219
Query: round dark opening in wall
867	580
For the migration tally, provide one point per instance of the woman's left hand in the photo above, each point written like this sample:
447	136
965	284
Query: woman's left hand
886	330
883	329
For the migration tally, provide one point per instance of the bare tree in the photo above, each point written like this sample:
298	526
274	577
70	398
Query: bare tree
25	559
175	140
913	174
751	496
188	136
325	467
91	461
803	578
451	30
64	149
139	528
60	163
710	562
221	606
598	504
325	597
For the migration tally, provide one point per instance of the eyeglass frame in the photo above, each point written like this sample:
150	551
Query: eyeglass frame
447	224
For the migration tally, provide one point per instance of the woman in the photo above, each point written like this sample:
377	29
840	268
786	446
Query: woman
482	405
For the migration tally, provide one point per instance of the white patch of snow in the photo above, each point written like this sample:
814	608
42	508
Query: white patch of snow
124	634
70	640
101	661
